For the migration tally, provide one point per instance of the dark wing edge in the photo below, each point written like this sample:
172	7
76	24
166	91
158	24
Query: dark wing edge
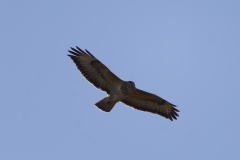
92	69
148	102
78	52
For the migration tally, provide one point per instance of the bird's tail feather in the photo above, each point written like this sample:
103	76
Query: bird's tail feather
104	105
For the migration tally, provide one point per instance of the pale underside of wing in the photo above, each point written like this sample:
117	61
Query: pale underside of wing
148	102
93	70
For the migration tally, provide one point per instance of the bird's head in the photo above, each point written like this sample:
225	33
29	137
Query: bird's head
131	85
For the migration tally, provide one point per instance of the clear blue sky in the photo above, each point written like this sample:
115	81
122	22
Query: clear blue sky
187	52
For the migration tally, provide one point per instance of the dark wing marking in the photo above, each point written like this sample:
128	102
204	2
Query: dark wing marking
148	102
93	70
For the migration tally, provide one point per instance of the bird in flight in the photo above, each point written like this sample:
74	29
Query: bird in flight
118	90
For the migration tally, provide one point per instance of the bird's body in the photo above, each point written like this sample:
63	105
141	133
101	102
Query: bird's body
116	94
118	90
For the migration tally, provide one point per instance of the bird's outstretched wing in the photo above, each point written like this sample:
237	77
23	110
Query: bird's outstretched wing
93	70
148	102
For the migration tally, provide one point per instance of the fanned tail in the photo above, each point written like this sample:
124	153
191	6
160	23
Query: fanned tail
104	105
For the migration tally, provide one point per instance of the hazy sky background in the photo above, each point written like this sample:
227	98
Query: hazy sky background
187	52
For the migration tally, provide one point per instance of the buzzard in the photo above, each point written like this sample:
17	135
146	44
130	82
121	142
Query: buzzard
118	90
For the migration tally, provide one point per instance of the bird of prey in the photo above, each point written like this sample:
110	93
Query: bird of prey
118	90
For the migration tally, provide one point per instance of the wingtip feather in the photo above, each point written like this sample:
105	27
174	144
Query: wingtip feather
89	53
74	53
80	50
